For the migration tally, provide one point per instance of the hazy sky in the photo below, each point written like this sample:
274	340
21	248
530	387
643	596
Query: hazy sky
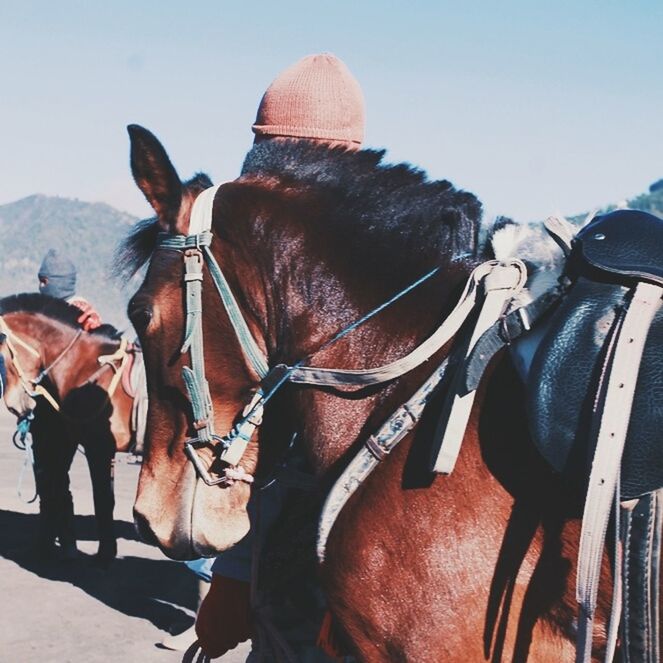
534	106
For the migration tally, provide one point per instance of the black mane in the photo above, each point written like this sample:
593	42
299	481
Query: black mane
51	307
389	218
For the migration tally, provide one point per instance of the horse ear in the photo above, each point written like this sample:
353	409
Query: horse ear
155	175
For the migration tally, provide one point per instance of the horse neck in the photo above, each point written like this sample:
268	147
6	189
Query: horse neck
306	302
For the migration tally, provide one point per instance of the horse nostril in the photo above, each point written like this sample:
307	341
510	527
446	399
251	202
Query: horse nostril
143	528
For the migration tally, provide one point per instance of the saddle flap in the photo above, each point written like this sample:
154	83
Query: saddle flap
626	242
564	379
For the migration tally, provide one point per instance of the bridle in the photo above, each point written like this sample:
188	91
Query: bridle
34	388
498	283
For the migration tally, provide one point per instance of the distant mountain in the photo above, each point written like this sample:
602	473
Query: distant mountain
87	233
652	202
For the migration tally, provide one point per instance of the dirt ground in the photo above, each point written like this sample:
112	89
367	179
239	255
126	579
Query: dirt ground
73	612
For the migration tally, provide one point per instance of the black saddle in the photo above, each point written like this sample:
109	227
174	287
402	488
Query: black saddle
609	256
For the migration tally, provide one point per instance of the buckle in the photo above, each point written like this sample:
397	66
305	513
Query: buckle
514	325
523	317
190	450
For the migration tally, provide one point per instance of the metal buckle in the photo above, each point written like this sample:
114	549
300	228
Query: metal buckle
524	318
506	326
190	447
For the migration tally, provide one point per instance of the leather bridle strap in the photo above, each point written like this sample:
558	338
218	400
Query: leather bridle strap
330	377
31	387
500	285
121	355
196	249
44	372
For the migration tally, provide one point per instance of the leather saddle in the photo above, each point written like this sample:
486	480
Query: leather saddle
608	258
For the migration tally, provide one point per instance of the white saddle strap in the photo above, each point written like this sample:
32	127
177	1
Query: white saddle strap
500	286
603	480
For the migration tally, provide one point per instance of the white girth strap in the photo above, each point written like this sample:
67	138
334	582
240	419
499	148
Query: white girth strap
500	286
629	343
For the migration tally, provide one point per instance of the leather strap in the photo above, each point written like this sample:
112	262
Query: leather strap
31	387
642	519
375	449
500	286
194	377
621	369
123	357
443	334
506	330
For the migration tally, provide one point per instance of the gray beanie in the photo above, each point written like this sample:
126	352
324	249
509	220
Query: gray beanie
60	274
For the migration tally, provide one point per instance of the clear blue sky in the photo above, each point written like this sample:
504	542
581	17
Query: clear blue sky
535	106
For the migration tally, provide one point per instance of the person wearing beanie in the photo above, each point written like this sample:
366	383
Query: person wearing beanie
317	99
57	278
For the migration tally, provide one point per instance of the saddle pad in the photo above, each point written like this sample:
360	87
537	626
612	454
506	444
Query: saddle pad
563	384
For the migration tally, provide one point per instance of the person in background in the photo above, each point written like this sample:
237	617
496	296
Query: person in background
52	459
57	278
318	100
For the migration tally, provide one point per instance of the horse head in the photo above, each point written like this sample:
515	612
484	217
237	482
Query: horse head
173	508
19	362
302	259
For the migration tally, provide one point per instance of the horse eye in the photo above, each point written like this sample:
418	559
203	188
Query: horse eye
141	319
140	315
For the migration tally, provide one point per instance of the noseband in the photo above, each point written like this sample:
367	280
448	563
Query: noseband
497	281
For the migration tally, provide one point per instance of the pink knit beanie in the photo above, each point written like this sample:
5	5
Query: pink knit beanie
315	98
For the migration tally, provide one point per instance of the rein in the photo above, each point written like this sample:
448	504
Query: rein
496	280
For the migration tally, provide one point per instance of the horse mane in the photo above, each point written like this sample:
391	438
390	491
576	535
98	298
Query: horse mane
388	219
54	308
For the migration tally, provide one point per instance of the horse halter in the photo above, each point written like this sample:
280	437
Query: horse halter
33	387
499	282
195	250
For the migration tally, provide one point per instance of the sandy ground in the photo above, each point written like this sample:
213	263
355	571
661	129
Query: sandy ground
73	612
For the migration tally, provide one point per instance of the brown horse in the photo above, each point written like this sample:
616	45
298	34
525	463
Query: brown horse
478	565
71	402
